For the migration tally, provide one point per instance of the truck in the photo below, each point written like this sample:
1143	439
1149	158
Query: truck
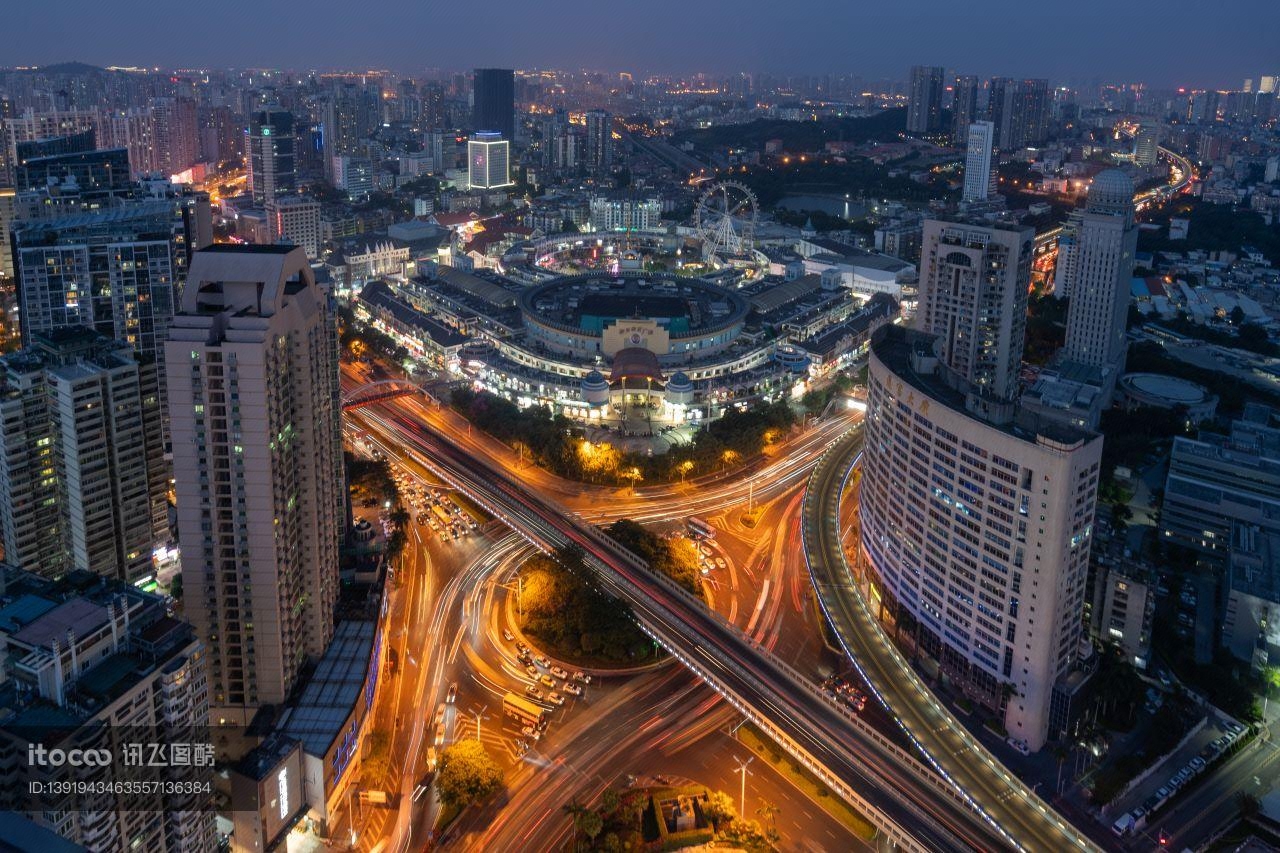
1123	825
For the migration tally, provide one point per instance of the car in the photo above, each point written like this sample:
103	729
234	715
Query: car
1165	678
1164	791
1197	763
1183	775
547	680
542	661
439	715
532	690
582	676
433	758
1019	745
720	563
452	696
440	735
572	689
522	648
555	698
507	635
705	549
530	733
558	672
1235	728
532	670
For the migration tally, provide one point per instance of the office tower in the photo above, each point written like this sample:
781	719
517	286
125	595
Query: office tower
83	482
985	544
87	661
271	145
488	161
257	457
973	295
8	210
599	142
177	137
1146	145
295	220
964	107
1020	111
494	102
924	104
1096	276
117	271
432	105
980	173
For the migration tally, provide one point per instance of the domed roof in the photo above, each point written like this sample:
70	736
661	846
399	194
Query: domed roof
679	381
595	379
1110	192
632	362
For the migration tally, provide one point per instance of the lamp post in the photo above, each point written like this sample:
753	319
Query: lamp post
479	715
742	768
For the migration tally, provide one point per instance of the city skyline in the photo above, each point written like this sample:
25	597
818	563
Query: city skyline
1033	43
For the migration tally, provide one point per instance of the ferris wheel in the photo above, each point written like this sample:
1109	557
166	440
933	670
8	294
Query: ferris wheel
726	216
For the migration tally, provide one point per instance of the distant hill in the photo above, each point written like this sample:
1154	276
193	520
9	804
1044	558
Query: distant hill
71	68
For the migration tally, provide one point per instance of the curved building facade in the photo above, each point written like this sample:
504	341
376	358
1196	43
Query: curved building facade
976	532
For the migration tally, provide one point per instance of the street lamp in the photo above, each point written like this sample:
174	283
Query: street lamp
742	768
479	715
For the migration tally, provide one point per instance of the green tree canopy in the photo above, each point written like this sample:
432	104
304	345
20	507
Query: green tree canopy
467	774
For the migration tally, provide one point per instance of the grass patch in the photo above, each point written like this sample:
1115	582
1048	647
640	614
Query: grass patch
799	776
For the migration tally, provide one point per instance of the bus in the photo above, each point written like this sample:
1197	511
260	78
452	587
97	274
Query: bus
523	711
700	528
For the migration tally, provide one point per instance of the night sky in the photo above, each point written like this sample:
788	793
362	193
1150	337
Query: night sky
1163	44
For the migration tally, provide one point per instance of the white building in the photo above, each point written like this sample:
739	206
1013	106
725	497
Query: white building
83	482
979	162
488	161
253	386
295	219
1105	240
353	174
625	213
977	531
973	295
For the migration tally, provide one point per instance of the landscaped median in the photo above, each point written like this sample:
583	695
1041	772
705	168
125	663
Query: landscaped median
813	788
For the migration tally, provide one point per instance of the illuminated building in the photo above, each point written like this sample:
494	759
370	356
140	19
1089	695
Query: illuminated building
354	175
257	456
625	212
271	144
979	162
83	483
488	161
177	137
977	530
493	101
295	219
924	104
964	107
1020	111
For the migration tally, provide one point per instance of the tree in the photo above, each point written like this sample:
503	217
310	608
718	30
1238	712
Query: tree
768	811
718	807
377	748
1237	316
567	226
467	774
590	823
575	810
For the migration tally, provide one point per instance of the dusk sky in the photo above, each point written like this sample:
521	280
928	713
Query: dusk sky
1170	43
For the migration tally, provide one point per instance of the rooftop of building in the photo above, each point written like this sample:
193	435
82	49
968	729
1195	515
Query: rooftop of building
266	756
1255	562
379	294
565	301
899	348
330	696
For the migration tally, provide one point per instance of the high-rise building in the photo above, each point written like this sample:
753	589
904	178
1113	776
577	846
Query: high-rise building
89	662
257	457
117	271
433	145
295	220
980	173
493	106
88	174
924	102
599	142
1097	272
83	483
177	135
1020	111
349	116
354	175
964	107
973	295
488	161
271	144
985	545
1146	145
